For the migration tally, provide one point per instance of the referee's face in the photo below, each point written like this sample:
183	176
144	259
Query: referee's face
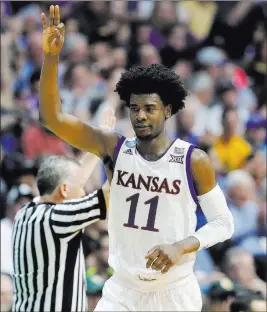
74	190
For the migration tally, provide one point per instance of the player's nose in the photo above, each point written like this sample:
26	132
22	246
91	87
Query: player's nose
141	115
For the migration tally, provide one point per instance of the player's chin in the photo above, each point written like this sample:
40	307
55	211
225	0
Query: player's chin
144	136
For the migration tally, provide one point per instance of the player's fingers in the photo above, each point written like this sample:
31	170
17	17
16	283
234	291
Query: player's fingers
57	15
51	15
151	251
44	22
166	268
157	262
163	263
58	37
61	28
152	258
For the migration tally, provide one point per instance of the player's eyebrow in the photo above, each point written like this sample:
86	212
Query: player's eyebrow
150	105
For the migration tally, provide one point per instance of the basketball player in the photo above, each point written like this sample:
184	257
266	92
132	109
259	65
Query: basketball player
156	185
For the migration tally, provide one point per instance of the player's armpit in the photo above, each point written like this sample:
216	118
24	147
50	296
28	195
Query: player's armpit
202	171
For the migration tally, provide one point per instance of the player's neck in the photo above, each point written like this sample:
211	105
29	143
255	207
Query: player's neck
153	149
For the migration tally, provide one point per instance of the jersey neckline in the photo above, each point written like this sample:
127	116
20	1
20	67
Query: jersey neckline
160	159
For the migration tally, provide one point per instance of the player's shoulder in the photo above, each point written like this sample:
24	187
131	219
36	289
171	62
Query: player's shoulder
110	139
198	156
180	144
201	165
202	171
200	161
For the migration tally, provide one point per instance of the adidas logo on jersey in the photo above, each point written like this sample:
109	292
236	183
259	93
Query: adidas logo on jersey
177	159
128	152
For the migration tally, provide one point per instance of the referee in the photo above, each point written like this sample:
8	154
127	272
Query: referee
49	269
48	258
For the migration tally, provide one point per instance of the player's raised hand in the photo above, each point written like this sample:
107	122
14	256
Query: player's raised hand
163	257
53	32
108	119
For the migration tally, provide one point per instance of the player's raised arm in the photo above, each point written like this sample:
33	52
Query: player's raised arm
67	127
89	161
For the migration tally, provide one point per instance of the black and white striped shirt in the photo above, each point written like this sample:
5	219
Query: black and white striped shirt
49	268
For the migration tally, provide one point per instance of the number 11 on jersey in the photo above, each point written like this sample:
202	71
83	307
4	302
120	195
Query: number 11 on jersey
153	205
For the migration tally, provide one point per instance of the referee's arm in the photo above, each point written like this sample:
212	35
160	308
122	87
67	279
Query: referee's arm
71	216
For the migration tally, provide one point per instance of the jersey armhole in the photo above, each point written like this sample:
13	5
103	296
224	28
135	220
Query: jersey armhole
110	162
190	175
117	150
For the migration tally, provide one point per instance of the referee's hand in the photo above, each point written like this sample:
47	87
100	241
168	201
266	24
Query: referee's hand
108	119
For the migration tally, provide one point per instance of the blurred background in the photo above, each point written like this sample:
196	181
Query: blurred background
219	50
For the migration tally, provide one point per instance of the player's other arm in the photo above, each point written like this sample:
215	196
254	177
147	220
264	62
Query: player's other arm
220	225
67	127
219	228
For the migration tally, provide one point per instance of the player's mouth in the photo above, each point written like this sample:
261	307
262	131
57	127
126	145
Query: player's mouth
141	127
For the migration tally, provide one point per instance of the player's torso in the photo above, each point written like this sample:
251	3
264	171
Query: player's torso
150	204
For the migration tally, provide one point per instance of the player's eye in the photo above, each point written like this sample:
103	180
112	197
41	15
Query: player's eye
134	109
150	109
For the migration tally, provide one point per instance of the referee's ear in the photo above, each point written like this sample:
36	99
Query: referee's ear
63	191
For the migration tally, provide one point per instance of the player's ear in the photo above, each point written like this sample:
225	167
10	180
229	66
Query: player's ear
168	111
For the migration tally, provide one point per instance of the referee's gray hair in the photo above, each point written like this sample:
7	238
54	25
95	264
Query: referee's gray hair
52	172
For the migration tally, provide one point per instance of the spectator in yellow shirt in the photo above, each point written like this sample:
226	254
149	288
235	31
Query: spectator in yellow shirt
231	149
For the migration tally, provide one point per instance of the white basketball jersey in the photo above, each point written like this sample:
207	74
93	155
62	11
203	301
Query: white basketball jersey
151	203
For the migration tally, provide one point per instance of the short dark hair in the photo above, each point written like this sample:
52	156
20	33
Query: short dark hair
155	78
52	171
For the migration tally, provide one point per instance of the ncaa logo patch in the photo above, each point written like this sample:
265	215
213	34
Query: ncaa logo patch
178	150
177	159
130	143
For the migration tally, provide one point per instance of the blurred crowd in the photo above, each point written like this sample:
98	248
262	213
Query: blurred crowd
219	50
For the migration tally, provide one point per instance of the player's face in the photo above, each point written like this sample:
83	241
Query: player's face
148	115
